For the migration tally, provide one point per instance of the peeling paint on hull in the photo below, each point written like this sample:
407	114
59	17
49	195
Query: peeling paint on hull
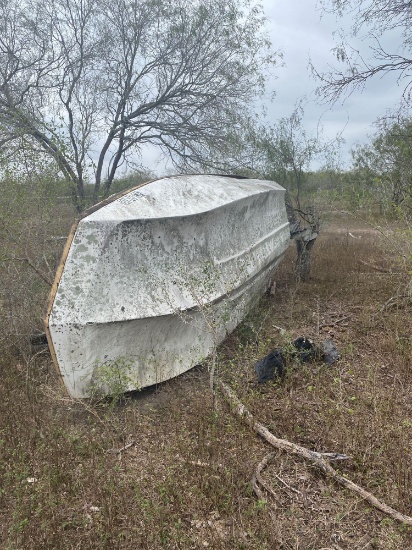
152	280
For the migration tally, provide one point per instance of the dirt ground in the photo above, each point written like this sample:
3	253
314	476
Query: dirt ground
165	468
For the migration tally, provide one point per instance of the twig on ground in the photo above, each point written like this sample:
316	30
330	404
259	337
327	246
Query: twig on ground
316	458
376	268
258	475
288	486
122	449
131	444
261	497
335	323
199	463
395	301
257	478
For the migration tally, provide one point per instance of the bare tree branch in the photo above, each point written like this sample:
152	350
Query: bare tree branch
371	19
96	80
317	459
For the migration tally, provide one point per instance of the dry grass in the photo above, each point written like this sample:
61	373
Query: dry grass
185	483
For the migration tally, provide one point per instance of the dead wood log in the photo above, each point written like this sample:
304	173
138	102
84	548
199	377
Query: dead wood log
316	458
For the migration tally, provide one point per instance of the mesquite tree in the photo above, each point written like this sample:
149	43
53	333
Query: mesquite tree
387	160
286	151
89	82
371	20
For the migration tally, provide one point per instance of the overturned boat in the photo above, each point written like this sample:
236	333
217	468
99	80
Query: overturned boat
153	279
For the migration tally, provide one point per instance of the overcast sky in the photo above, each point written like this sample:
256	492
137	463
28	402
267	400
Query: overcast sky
299	30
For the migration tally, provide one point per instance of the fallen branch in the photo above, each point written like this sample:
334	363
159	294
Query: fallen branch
256	479
378	229
316	458
258	475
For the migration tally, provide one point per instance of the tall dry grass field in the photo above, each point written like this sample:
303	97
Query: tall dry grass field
164	469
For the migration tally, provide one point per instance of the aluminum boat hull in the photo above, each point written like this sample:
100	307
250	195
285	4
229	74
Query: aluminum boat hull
152	280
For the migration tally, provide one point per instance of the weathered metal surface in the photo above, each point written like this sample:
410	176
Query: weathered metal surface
151	281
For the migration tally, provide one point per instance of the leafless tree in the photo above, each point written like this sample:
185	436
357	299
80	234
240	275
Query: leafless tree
88	82
372	19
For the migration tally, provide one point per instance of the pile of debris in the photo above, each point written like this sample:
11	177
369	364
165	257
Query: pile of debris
302	349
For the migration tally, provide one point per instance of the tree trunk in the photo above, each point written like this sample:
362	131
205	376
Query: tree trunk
304	259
